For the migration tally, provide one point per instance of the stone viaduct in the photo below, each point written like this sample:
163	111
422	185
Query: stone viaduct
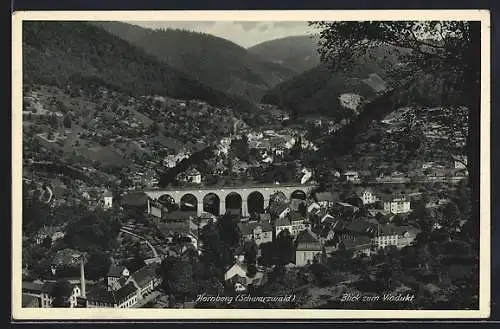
242	194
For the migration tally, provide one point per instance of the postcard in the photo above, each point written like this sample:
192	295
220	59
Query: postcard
251	165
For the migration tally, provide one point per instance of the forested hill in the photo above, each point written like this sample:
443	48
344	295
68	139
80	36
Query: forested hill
61	53
214	61
317	91
298	53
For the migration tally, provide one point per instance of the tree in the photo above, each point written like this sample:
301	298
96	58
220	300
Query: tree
61	292
284	248
178	278
97	265
67	121
251	258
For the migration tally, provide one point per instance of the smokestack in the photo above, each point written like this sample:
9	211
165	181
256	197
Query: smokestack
82	276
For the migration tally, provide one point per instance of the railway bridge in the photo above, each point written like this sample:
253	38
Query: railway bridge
251	198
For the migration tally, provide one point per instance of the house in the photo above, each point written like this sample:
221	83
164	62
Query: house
386	236
124	297
350	230
397	205
366	195
294	223
237	275
351	176
327	219
307	248
128	290
69	292
34	290
326	233
146	279
114	275
298	222
326	199
260	232
282	224
313	207
392	235
279	210
238	268
28	300
108	199
193	176
344	209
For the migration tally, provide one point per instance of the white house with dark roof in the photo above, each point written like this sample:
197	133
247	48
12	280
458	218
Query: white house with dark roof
114	274
307	248
44	292
193	176
367	195
260	232
392	235
397	205
107	199
126	290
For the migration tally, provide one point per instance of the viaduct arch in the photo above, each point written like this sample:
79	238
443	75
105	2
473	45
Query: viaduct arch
261	193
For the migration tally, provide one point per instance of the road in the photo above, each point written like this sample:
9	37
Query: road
143	238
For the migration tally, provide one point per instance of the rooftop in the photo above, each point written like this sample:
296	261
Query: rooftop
145	274
248	227
116	271
307	240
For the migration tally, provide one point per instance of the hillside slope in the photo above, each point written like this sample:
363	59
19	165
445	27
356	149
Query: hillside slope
323	91
298	53
214	61
77	53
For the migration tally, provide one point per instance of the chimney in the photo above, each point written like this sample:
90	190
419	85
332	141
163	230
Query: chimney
82	277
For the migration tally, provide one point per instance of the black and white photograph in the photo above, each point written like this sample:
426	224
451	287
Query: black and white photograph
259	163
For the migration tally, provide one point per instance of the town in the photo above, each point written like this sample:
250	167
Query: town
145	189
249	209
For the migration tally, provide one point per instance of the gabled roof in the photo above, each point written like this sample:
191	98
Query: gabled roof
145	274
32	287
247	228
100	294
282	222
307	240
125	291
116	271
238	264
278	208
358	243
295	216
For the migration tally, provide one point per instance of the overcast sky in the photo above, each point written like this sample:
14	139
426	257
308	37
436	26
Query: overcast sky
244	33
